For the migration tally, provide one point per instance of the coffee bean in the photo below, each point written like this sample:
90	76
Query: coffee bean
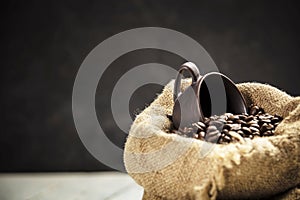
228	114
235	135
261	117
255	126
249	118
252	122
254	110
206	120
268	133
170	117
241	133
263	128
227	138
270	126
200	125
228	127
253	129
235	127
242	117
246	130
233	117
268	116
201	134
275	120
266	121
256	133
239	121
280	118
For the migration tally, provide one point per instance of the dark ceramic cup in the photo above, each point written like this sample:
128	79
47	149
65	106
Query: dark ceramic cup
211	94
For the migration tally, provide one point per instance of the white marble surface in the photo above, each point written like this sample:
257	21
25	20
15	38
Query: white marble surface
65	186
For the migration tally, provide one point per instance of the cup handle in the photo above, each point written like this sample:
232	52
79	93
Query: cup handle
193	71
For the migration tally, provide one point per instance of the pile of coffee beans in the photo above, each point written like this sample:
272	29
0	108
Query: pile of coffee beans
228	127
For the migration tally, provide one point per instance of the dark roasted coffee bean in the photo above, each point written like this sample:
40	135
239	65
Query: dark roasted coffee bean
206	120
280	118
200	125
254	110
266	127
249	118
261	117
233	117
243	123
241	133
227	126
268	116
252	122
235	127
227	138
242	117
263	128
268	133
255	126
229	122
246	130
225	131
235	135
201	134
228	114
170	117
255	118
270	126
260	123
256	134
275	120
266	121
253	129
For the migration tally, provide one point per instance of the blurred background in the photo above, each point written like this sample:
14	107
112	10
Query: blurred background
44	43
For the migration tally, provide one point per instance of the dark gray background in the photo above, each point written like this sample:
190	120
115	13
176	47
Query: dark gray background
43	44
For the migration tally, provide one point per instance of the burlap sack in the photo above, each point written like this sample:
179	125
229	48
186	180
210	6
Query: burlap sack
169	166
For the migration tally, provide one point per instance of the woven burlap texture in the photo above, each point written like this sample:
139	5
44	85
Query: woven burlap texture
169	166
